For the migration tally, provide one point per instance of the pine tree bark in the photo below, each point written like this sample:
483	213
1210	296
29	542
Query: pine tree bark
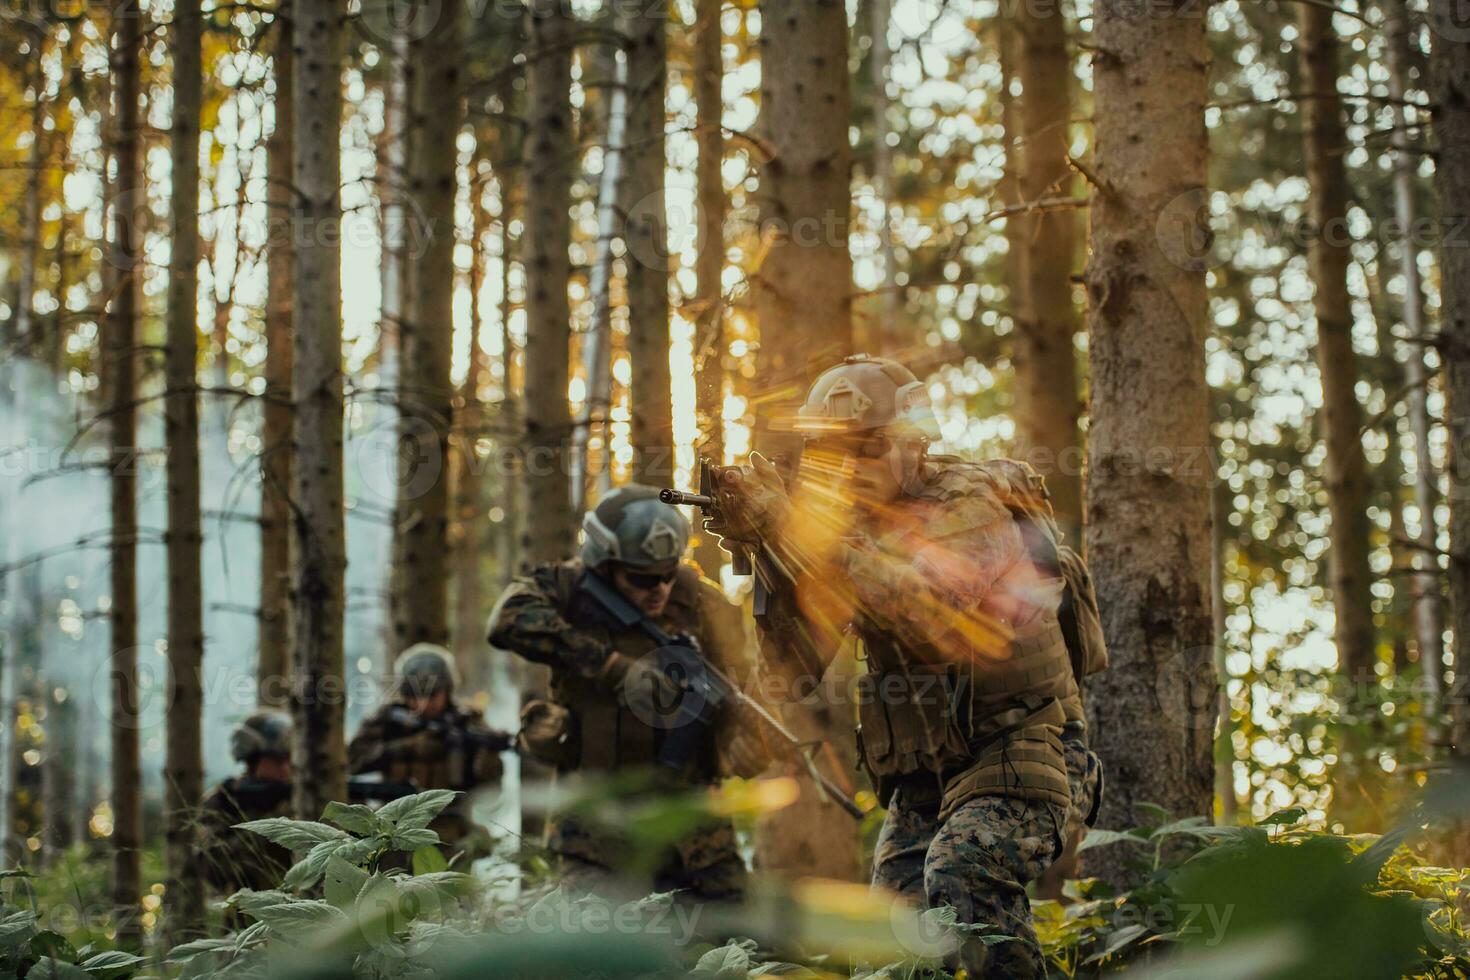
274	664
318	545
803	302
646	233
1043	355
469	536
880	57
1152	714
550	153
710	343
119	380
426	393
30	246
1450	68
1323	144
1428	606
184	763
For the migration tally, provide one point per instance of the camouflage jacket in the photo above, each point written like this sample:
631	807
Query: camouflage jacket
396	743
544	618
235	859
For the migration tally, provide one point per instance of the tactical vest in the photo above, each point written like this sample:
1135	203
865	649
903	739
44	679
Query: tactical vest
991	725
606	734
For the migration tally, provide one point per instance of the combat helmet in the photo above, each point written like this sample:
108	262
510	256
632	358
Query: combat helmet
423	670
263	734
632	526
866	394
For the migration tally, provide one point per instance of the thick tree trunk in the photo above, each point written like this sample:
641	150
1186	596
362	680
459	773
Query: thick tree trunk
803	288
1450	65
469	537
1152	714
1428	607
184	765
646	234
803	296
549	158
710	343
1323	146
426	394
1042	352
119	369
318	545
274	664
30	246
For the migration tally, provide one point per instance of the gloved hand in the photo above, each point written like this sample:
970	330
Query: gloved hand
643	688
743	753
753	501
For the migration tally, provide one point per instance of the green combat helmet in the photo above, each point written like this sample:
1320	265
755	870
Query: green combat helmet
264	734
866	394
423	670
632	526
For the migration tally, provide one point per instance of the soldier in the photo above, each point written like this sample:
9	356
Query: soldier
235	859
610	694
971	617
423	737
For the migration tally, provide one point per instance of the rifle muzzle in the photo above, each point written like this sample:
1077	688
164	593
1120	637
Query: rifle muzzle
680	497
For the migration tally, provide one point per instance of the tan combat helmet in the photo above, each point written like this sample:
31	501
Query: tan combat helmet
266	734
867	394
423	670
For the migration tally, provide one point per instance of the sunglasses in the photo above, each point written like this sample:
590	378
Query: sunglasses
649	580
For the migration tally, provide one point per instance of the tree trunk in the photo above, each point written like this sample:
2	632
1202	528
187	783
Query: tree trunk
803	294
1042	352
710	343
597	345
274	664
888	337
184	765
1323	146
1153	712
1450	67
119	370
803	289
426	393
646	233
469	537
30	246
550	154
1428	607
318	546
61	763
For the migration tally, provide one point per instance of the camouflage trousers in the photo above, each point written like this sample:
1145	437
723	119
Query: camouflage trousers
705	864
979	861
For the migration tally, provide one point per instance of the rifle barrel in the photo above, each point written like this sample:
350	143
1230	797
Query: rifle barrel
680	497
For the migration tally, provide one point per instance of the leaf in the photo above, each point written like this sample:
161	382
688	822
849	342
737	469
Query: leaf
728	962
299	919
304	873
1098	837
1158	813
295	835
1284	817
417	811
1186	825
48	943
1117	941
353	817
199	947
428	859
343	882
111	963
50	968
412	839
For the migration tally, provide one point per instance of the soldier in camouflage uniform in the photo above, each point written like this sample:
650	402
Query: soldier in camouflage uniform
422	736
971	725
610	694
235	859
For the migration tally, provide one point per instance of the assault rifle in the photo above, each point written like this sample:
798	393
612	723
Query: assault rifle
775	583
455	735
706	688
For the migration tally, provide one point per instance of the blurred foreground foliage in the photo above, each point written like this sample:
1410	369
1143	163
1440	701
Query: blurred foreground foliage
1266	901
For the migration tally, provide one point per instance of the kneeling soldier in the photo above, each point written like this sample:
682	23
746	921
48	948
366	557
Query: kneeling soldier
612	688
425	738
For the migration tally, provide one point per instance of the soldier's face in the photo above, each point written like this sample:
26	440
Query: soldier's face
430	707
272	768
874	467
650	593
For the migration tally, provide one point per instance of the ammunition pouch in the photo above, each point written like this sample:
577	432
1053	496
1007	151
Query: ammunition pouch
1024	760
910	721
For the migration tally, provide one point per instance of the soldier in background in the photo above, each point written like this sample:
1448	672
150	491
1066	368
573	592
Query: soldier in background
609	691
976	625
235	859
424	737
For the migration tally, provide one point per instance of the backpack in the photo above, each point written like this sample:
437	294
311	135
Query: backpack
1024	492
